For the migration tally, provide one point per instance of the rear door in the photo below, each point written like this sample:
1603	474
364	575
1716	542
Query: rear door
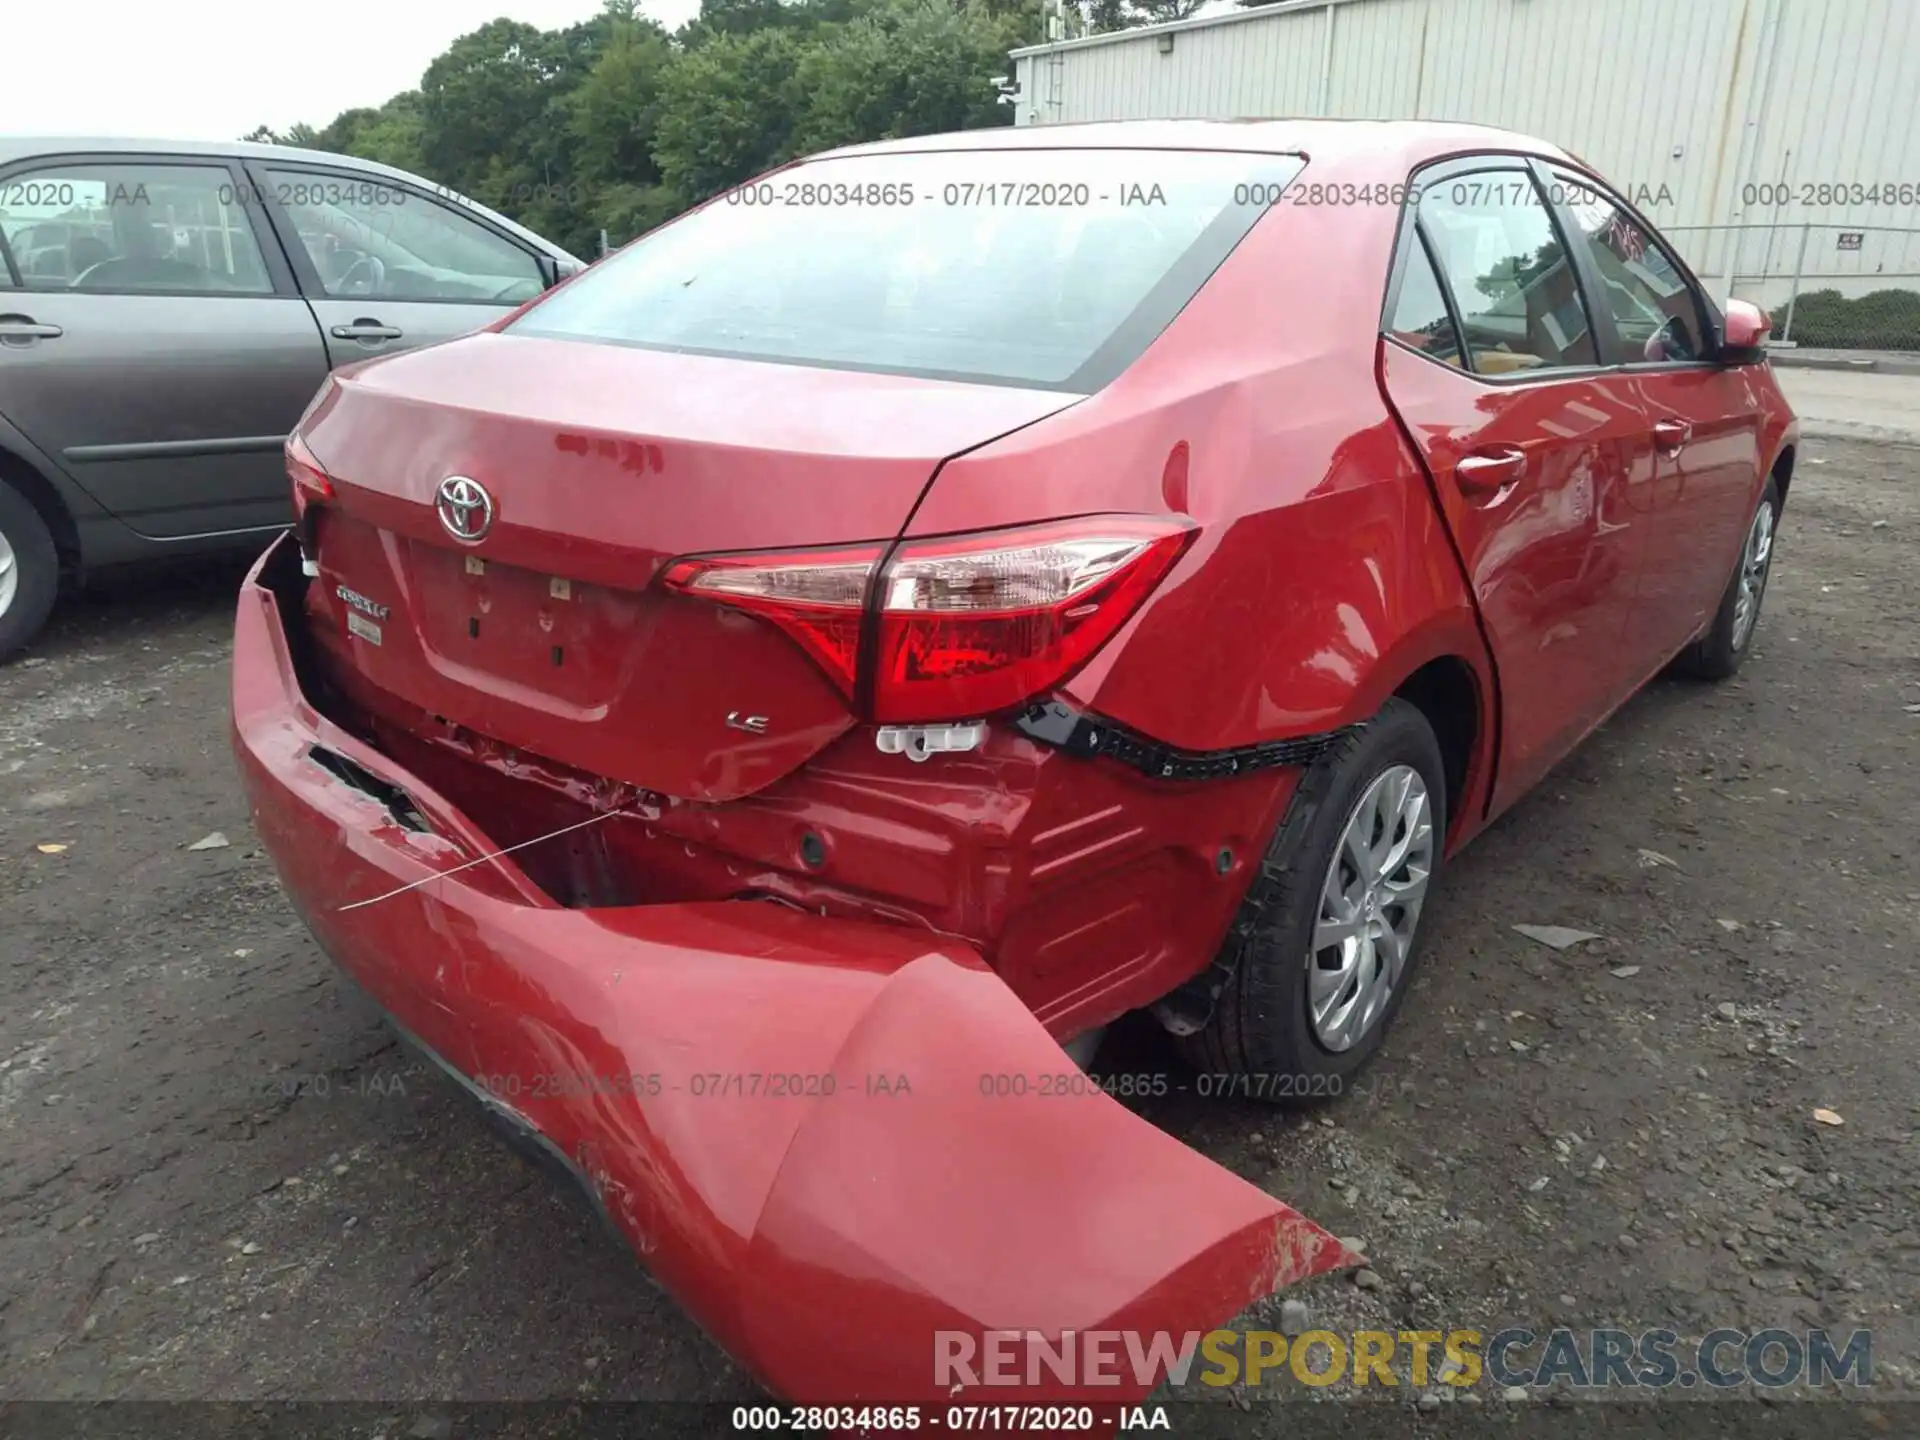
388	266
1701	448
154	342
1491	363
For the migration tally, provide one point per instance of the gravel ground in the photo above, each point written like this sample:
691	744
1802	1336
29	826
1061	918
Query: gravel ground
1620	1133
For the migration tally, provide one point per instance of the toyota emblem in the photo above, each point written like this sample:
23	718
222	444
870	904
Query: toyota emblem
465	507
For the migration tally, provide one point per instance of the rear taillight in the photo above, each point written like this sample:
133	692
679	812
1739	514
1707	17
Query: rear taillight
815	596
310	482
965	625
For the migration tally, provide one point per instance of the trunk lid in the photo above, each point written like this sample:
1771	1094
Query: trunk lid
601	463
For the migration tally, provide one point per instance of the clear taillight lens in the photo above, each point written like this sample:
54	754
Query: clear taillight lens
966	625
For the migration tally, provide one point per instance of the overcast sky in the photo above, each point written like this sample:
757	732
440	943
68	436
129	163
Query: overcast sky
214	69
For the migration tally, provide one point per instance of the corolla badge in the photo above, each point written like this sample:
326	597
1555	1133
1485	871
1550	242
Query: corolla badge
361	603
465	507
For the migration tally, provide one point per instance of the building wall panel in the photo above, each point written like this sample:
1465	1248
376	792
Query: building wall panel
1720	118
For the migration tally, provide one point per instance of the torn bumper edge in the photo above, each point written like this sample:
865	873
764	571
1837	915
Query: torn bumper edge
830	1140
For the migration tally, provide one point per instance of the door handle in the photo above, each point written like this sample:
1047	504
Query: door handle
1485	471
24	330
367	332
1670	435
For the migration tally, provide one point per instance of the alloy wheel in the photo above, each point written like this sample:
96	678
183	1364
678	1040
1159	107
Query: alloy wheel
1369	905
1755	558
9	574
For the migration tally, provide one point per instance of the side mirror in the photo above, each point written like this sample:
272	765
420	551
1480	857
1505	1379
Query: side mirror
1744	338
553	271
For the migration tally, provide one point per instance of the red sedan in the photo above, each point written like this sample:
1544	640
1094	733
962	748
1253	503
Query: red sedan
755	713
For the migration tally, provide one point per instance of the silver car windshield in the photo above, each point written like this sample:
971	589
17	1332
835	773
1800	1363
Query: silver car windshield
1042	268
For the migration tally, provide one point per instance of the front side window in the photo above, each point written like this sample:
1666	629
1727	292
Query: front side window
368	236
1045	268
1501	257
177	229
1653	306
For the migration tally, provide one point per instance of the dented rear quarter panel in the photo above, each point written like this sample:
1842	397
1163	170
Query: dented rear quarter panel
1322	576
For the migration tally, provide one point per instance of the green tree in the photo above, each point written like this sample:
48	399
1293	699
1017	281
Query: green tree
612	124
728	110
393	135
742	17
389	134
488	108
613	112
303	135
908	67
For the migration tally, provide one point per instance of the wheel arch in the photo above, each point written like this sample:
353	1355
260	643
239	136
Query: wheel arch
1445	671
27	480
1448	693
1783	469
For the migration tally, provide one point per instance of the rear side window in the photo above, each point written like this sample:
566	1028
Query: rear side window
1420	318
131	228
1512	286
1050	269
1655	310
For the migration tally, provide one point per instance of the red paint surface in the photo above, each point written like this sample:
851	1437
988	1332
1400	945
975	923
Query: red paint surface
1089	889
822	1239
961	916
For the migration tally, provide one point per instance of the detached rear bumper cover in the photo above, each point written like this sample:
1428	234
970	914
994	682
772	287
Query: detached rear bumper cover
678	1056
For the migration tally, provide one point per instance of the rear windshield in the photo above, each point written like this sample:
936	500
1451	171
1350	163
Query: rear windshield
1050	269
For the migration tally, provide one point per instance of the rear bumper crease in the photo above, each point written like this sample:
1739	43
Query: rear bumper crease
783	1114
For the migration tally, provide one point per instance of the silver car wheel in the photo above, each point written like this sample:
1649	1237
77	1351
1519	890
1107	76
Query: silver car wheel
9	574
1369	905
1754	560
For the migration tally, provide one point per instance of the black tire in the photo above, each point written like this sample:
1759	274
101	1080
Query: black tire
1260	1026
36	571
1715	655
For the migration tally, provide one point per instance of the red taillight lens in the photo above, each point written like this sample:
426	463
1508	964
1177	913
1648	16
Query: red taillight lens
977	624
968	625
814	596
310	482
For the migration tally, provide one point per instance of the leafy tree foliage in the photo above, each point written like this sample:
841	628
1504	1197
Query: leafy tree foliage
614	124
1153	12
731	105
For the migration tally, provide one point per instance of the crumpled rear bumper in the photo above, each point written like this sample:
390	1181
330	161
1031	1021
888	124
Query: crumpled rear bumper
830	1140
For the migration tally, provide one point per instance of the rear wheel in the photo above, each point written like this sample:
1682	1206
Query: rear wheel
29	571
1718	653
1323	950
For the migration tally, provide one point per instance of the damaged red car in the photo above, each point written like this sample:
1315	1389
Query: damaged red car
757	712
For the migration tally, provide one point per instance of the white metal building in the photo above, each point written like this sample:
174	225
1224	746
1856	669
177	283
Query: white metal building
1765	136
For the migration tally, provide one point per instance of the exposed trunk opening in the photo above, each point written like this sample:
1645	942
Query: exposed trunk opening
517	799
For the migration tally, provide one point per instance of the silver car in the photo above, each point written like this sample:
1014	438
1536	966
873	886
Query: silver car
168	309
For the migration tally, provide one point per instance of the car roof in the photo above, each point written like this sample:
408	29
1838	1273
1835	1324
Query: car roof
1395	143
27	147
20	147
